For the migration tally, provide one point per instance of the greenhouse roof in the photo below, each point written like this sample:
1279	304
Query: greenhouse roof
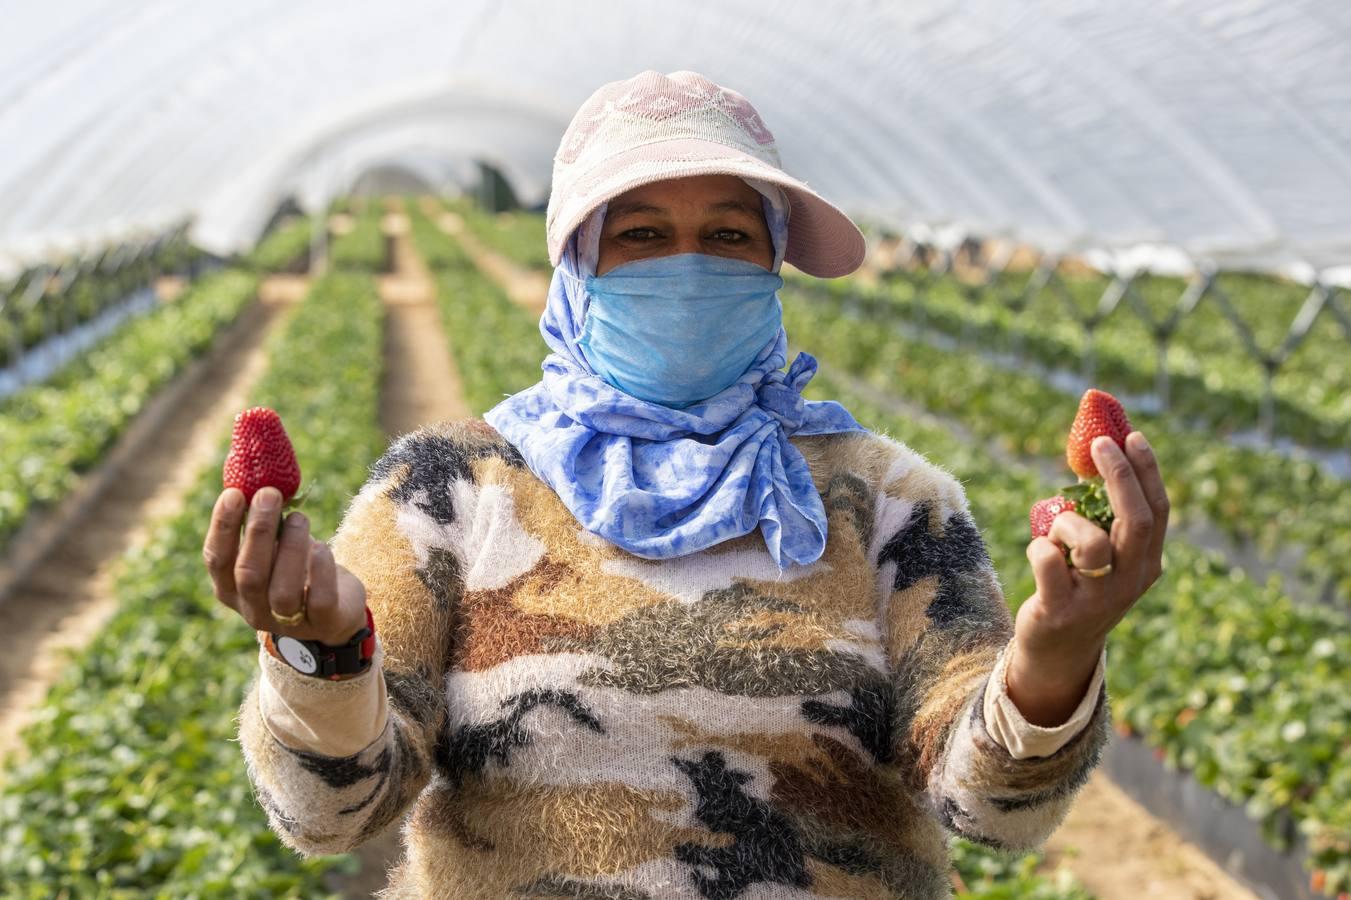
1219	128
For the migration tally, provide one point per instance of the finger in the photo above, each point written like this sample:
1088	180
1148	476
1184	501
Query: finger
253	568
1049	569
1146	466
286	588
1134	525
222	544
1090	547
325	613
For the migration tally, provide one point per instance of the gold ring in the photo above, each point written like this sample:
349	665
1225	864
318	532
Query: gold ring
1095	573
296	617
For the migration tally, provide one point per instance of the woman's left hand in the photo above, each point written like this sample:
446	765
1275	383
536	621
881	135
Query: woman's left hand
1062	628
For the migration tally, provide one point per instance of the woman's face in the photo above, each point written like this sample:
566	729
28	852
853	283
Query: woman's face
720	215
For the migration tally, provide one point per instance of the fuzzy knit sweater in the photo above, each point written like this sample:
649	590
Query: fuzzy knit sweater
550	716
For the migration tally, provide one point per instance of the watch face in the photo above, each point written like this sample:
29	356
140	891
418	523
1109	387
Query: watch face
298	655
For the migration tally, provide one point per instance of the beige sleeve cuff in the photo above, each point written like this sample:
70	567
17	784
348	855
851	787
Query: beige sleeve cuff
1021	738
329	718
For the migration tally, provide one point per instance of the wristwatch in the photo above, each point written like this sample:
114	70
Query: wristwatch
327	660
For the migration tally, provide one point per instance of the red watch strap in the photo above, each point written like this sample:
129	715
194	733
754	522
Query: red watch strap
368	645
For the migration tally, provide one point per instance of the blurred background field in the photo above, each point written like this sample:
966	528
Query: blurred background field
339	212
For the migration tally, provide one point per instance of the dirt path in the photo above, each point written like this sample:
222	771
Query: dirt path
1121	852
420	385
524	286
56	587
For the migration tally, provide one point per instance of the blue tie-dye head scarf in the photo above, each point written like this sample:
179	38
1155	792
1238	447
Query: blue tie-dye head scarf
662	482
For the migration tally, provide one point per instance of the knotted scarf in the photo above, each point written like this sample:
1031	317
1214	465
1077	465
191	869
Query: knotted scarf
662	482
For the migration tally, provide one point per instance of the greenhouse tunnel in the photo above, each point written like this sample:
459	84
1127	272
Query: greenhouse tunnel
338	209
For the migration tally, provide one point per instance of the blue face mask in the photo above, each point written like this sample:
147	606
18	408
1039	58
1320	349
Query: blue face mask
678	329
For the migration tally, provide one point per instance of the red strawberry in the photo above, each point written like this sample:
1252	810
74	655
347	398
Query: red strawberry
1099	413
1045	511
261	455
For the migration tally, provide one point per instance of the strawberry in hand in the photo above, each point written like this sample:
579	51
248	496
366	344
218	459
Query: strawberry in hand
1092	558
264	563
1099	414
261	456
1044	512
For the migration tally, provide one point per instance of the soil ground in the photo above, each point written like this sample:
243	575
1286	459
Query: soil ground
1121	852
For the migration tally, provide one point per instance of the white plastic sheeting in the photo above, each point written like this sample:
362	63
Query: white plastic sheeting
1218	127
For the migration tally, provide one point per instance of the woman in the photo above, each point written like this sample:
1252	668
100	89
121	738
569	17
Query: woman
660	628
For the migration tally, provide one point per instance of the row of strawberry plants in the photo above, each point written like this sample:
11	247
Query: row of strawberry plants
1229	679
131	782
472	305
497	346
24	324
1266	304
284	247
519	236
1212	379
364	248
55	430
1255	496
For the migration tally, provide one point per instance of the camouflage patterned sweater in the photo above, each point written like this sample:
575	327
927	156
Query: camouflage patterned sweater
558	718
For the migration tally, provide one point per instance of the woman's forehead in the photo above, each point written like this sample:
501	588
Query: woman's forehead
697	193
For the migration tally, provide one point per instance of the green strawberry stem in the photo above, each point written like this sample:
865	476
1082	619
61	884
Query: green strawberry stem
298	500
294	503
1091	502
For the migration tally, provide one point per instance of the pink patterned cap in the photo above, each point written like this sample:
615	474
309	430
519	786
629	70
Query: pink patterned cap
652	127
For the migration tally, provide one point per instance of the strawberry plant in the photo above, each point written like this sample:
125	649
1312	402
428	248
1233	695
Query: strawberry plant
997	876
283	248
519	236
364	248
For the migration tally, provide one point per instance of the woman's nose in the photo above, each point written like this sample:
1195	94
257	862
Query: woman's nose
686	243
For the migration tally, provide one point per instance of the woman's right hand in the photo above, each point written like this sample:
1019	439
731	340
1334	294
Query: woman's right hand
264	574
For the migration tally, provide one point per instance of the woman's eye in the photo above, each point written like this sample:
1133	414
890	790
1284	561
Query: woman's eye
730	235
638	234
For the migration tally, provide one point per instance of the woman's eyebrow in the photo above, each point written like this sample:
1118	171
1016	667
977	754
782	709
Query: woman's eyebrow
735	206
633	206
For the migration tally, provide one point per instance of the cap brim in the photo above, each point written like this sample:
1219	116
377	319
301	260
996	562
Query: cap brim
822	240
